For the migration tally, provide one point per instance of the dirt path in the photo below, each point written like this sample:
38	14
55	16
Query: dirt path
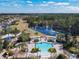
23	26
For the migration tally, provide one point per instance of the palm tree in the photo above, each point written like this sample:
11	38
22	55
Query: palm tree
52	50
75	42
24	37
77	56
60	37
36	33
35	50
1	43
22	47
35	41
10	45
61	56
5	55
74	50
16	31
5	44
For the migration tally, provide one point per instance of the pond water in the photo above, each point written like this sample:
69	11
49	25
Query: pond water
47	31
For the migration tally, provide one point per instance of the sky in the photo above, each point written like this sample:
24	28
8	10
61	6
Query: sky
39	6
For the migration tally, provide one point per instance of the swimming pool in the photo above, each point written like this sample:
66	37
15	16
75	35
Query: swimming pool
8	36
44	46
47	31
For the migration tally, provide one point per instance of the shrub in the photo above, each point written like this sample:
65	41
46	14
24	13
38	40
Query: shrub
50	40
34	50
32	57
52	50
10	53
73	50
36	40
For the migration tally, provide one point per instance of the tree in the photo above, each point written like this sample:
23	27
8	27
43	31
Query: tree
5	44
74	50
1	43
14	31
36	33
60	37
35	41
77	56
61	56
10	52
35	50
52	50
23	46
24	37
5	55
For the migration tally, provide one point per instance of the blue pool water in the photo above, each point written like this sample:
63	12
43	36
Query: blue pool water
47	31
8	36
44	46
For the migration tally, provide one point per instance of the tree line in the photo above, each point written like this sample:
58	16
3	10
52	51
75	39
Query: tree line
67	23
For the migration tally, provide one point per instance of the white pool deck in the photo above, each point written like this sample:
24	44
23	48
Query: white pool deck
32	45
44	56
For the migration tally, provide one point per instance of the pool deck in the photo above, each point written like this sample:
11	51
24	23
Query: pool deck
45	56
